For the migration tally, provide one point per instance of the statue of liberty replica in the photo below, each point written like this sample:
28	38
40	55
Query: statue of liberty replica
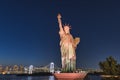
68	45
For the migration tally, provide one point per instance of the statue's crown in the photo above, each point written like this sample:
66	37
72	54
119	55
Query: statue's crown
67	25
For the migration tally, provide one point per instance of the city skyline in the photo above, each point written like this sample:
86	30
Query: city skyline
29	31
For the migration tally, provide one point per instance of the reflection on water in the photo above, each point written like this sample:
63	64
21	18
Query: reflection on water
110	79
92	77
29	78
14	77
51	77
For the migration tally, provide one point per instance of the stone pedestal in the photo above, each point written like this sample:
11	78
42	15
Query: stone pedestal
70	76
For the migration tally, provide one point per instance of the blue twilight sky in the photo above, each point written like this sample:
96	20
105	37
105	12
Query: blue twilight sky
29	31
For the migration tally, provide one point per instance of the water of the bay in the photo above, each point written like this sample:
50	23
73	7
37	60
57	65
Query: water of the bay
14	77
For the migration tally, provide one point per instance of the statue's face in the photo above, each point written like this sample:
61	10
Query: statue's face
66	29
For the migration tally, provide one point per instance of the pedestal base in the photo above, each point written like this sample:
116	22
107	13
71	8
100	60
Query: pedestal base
70	76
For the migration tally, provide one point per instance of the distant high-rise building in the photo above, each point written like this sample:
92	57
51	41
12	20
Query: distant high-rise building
30	69
1	68
52	67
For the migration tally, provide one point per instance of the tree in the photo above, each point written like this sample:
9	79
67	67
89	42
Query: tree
118	68
109	66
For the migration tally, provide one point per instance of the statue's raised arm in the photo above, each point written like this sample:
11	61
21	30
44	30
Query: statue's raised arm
60	23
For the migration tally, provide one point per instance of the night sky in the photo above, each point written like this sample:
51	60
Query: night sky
29	31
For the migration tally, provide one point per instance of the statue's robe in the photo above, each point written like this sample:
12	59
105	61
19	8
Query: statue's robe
68	55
